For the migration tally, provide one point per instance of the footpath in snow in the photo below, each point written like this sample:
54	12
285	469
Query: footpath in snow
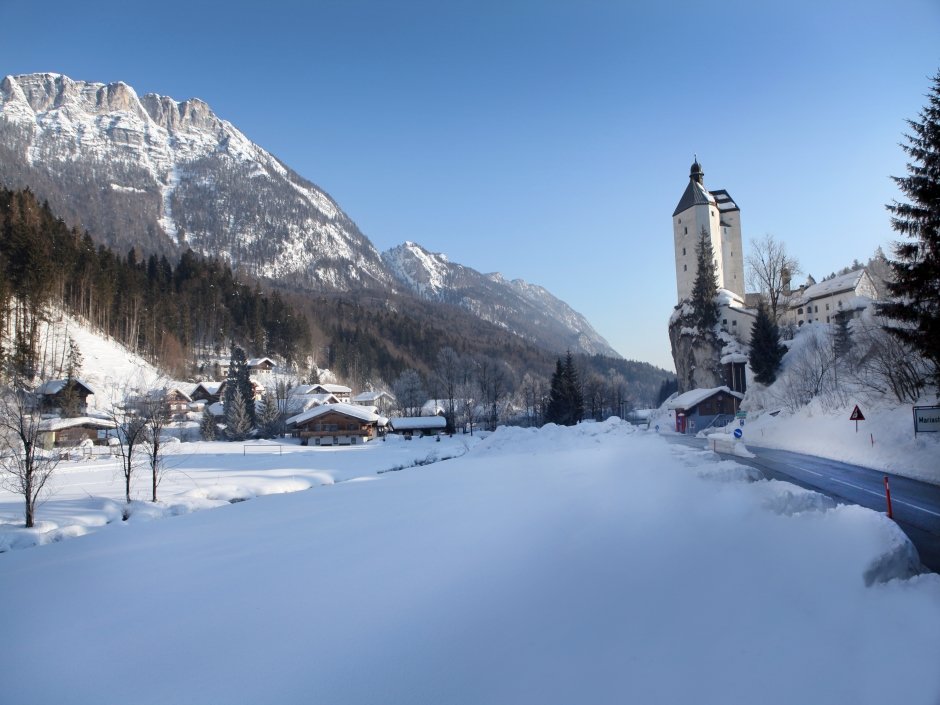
595	564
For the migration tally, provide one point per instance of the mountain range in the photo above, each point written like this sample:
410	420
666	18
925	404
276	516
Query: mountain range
160	175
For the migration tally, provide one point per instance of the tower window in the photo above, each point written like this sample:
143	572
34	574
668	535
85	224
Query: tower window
686	231
683	252
685	268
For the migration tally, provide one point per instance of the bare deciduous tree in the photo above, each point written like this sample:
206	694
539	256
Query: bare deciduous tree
888	365
769	269
155	413
131	431
409	392
25	467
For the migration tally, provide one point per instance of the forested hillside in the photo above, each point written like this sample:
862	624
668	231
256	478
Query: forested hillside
179	314
166	312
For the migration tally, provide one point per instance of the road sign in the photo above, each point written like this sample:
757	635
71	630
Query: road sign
926	419
857	416
738	433
741	415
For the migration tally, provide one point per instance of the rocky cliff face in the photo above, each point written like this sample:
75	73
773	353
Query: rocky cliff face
169	175
697	354
525	309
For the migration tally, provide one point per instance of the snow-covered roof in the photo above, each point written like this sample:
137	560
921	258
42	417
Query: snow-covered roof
357	412
432	407
58	424
296	403
418	423
836	285
216	409
258	361
336	388
697	396
210	387
54	386
370	397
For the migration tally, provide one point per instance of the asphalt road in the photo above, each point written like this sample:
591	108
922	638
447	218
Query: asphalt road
915	504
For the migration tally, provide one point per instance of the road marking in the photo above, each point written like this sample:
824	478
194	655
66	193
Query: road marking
863	489
881	494
914	506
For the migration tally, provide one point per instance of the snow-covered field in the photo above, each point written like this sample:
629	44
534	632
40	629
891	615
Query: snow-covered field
595	564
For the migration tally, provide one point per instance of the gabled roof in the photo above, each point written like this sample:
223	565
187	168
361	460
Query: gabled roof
256	361
371	397
837	285
86	421
359	413
695	195
695	397
54	386
211	388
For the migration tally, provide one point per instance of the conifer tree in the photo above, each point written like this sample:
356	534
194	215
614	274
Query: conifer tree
207	428
239	379
705	287
565	401
766	350
238	423
573	389
269	420
841	335
915	309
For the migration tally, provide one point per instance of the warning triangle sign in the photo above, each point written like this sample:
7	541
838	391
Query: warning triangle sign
857	414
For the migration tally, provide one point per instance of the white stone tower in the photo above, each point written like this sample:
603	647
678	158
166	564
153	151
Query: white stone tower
720	217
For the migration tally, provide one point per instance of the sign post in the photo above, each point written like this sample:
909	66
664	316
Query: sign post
857	416
926	419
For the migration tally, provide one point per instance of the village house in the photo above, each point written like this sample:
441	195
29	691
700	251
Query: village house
64	396
383	401
209	392
821	302
699	409
410	426
336	424
262	367
340	391
71	432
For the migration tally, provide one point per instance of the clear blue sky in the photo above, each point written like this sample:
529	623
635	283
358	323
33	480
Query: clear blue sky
545	140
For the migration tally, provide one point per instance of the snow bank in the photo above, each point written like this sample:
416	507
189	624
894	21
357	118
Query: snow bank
884	440
592	564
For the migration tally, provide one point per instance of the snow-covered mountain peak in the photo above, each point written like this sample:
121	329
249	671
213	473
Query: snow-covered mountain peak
524	309
424	272
175	173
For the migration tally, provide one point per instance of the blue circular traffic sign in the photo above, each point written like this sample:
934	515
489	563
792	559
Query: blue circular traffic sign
738	433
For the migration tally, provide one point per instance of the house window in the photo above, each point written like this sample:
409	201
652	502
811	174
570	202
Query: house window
800	310
839	302
724	321
827	307
827	319
816	309
734	323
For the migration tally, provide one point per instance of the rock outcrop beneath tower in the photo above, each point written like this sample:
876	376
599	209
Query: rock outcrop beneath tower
696	353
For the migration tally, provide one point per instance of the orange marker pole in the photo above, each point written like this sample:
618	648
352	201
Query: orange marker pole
888	496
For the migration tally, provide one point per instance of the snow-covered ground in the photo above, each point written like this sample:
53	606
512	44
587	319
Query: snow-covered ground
884	440
595	564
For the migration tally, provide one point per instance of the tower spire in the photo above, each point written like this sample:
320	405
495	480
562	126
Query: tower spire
696	173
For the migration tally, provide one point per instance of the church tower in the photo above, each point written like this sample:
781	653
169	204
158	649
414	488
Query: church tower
719	216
